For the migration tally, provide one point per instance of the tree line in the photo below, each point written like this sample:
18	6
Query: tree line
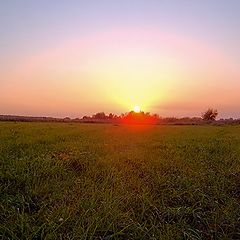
209	115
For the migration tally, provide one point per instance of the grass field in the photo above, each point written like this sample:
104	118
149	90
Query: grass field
89	181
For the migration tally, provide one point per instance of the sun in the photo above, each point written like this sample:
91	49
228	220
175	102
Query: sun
137	109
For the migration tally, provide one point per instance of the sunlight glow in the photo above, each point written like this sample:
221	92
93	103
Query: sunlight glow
136	109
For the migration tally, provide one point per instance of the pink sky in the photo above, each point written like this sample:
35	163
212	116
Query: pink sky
163	70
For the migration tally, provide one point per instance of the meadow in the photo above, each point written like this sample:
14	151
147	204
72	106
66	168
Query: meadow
103	181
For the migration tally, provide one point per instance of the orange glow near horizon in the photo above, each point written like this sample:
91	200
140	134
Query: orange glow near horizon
139	118
112	71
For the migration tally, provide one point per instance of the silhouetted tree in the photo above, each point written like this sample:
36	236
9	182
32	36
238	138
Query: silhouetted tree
100	115
110	116
156	116
139	118
210	114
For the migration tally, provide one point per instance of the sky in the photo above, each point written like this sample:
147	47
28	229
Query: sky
73	58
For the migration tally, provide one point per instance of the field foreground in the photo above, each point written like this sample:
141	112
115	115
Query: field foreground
100	181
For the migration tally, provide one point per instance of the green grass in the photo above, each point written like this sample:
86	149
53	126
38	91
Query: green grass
79	181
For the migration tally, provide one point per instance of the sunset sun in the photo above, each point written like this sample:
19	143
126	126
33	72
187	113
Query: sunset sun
136	109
